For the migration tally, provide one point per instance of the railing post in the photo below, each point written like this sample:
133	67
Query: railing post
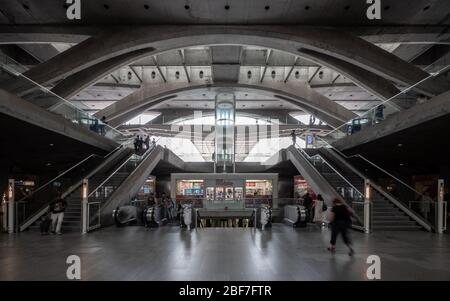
440	207
367	208
84	202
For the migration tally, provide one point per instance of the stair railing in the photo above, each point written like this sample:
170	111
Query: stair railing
354	198
404	206
91	217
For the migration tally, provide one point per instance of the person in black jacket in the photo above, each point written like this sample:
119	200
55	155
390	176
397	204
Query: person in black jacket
340	219
308	203
57	208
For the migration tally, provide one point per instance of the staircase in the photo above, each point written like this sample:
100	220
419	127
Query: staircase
72	215
387	217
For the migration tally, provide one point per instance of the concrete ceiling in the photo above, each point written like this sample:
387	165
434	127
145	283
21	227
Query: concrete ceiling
317	12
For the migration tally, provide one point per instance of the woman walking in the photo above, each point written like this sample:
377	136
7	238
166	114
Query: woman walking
319	209
340	219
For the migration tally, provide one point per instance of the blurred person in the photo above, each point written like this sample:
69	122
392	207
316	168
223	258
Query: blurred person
308	203
57	208
340	219
319	208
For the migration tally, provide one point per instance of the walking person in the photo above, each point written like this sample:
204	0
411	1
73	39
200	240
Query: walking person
319	209
57	208
153	143
340	219
308	203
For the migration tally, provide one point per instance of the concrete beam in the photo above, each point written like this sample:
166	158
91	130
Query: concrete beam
18	108
436	107
302	96
291	39
83	79
369	81
36	33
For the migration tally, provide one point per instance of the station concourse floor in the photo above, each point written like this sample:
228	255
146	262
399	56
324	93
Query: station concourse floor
168	253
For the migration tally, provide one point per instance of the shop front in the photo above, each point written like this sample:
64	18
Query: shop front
224	189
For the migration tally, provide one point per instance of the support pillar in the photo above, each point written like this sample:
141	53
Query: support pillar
367	206
11	206
85	209
440	212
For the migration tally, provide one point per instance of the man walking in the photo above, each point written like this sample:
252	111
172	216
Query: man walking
57	208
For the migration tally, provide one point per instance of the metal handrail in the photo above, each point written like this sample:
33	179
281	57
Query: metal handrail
122	165
373	164
66	171
44	89
434	74
328	164
337	172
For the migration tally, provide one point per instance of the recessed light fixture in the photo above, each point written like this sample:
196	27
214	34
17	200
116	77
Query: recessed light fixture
51	144
401	164
399	145
48	164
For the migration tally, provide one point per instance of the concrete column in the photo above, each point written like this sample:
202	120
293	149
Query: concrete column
367	206
11	206
84	201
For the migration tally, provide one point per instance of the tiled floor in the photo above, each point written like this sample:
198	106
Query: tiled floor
282	253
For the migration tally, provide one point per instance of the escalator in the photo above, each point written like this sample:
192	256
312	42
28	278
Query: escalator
34	206
119	187
384	212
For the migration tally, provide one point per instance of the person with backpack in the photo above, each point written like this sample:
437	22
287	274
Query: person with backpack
57	208
340	219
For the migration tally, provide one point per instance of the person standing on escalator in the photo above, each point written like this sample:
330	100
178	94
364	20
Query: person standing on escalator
294	137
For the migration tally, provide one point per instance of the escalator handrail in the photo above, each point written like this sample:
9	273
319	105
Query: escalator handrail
329	165
147	153
386	194
302	152
66	171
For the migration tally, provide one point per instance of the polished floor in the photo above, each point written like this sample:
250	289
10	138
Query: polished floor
168	253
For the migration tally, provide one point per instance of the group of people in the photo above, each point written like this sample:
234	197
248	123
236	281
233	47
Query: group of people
166	203
99	127
339	218
140	143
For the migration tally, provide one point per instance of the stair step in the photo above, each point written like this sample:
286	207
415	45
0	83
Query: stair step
397	228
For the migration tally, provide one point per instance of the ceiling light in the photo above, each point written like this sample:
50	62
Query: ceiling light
401	164
399	145
48	164
51	144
